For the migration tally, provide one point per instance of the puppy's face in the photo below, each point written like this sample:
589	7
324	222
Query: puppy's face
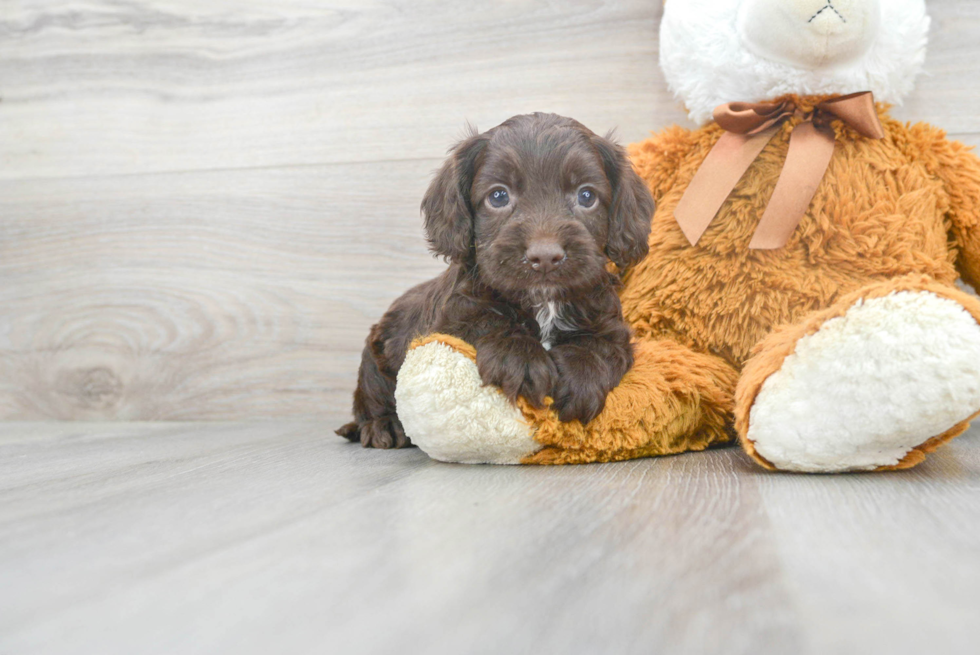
540	200
537	205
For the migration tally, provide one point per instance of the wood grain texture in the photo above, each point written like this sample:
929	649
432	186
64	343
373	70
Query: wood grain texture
109	88
272	537
204	295
203	206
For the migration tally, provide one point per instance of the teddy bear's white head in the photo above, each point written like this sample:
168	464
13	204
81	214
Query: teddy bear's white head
718	51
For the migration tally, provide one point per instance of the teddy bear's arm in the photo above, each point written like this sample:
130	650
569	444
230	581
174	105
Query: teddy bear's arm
959	169
658	159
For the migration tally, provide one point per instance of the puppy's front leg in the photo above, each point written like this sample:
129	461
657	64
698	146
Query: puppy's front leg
518	364
508	354
589	367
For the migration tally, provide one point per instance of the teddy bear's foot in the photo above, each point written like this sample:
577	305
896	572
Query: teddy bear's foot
449	413
874	382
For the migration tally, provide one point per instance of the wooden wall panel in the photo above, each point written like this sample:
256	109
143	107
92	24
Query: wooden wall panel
203	206
109	88
201	295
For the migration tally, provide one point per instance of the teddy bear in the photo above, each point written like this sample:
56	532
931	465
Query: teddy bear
800	291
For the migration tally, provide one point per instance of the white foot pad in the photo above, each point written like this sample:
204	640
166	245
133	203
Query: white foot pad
870	386
448	413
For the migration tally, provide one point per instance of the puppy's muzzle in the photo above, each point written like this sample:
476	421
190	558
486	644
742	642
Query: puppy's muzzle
545	255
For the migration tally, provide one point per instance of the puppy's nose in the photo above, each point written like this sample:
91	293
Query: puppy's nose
544	255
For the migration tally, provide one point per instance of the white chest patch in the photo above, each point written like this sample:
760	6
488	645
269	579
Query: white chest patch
550	320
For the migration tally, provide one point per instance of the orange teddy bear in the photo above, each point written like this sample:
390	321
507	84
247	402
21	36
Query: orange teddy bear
800	287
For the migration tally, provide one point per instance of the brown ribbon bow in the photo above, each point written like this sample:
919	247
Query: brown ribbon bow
748	128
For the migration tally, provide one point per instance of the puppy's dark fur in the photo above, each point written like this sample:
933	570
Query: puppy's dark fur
527	214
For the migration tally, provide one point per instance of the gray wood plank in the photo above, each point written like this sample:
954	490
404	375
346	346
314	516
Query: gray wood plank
949	87
117	88
261	537
885	563
207	295
212	295
176	535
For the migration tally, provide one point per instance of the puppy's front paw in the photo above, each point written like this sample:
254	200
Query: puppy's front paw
519	366
580	391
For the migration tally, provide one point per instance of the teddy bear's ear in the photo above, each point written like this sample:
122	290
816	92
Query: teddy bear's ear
631	208
446	204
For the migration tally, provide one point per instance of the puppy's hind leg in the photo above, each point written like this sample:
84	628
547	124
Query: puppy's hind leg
375	423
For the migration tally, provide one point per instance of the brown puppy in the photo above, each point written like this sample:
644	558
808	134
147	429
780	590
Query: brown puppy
527	214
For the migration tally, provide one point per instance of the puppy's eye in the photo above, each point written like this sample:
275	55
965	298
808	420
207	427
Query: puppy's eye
498	198
586	197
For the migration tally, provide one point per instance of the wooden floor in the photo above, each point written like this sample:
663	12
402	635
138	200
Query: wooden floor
280	538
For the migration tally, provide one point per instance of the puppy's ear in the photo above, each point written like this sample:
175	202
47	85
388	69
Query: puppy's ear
446	205
632	206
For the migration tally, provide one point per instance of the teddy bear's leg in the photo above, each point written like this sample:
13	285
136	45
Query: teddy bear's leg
874	382
447	411
672	400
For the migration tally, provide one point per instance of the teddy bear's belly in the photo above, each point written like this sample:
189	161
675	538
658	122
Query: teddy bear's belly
721	297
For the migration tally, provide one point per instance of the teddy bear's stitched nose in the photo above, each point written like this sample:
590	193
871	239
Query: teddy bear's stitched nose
809	34
828	7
